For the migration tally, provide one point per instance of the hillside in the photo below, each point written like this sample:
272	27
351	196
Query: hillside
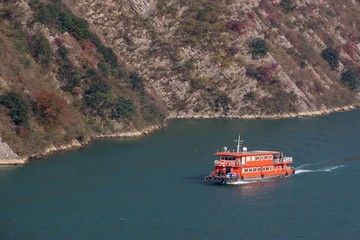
60	84
73	70
197	55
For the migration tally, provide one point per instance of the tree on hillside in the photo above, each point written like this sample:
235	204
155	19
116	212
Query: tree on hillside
123	108
50	107
287	5
331	56
19	110
137	83
41	50
258	48
351	78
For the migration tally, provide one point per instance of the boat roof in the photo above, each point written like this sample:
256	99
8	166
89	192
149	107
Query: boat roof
247	153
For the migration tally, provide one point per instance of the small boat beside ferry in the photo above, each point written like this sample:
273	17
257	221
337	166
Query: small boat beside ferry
243	166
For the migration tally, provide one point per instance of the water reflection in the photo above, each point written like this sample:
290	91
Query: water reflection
256	188
7	170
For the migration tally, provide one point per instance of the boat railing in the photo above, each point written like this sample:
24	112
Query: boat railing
226	163
283	159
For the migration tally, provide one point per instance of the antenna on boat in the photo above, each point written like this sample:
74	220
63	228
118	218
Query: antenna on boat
239	143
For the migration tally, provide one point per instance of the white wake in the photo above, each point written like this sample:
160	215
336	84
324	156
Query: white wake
327	169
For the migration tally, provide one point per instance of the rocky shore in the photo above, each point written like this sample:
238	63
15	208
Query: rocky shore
8	157
184	115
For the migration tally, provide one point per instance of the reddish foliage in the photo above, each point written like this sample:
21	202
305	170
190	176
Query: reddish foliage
318	87
348	35
263	74
338	48
273	17
293	39
347	62
236	26
21	130
251	15
349	47
87	45
265	5
50	107
59	41
7	110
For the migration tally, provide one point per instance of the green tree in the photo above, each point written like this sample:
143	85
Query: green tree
331	56
41	50
287	5
351	78
70	74
258	48
19	110
97	96
137	83
123	108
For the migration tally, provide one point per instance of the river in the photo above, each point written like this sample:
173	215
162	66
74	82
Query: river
153	188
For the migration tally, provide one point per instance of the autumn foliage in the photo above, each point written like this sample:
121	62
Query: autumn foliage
236	26
50	107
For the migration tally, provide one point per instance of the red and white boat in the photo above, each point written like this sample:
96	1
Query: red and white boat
247	166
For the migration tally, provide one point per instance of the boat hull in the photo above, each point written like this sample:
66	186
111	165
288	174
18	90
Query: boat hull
237	180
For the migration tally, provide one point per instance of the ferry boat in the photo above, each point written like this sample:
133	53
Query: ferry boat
247	166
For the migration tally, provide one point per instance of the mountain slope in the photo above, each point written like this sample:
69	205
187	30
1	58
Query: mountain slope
196	55
72	70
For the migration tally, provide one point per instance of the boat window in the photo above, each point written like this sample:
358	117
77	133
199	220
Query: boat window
266	157
257	158
261	158
250	169
246	170
252	158
259	169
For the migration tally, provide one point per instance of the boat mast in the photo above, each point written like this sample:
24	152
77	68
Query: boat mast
239	142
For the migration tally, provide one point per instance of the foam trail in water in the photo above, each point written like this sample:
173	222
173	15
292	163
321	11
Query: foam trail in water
328	169
332	162
301	166
239	183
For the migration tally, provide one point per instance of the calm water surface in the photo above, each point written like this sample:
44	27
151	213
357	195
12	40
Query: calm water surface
152	188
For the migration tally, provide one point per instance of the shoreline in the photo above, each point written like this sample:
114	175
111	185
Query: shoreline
75	144
307	114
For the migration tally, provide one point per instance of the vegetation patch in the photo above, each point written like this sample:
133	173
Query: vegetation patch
287	5
258	48
331	56
17	107
123	108
263	74
351	78
279	102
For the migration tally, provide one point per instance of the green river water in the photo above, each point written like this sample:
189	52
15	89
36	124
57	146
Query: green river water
153	188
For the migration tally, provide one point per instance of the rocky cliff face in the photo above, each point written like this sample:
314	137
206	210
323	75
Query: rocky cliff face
195	55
